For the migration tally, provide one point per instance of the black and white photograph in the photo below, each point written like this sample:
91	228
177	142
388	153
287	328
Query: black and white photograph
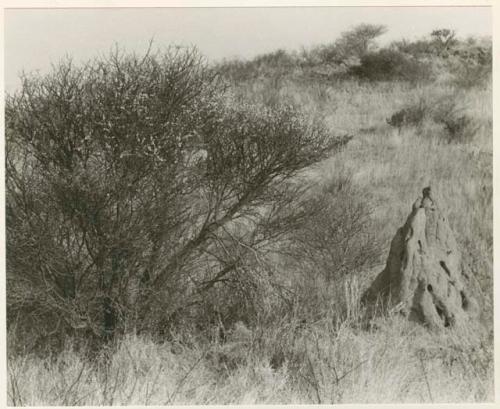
248	205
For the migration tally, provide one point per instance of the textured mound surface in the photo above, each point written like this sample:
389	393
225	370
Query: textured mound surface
424	274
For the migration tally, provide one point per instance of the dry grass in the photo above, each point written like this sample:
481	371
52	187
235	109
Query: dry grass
331	360
327	362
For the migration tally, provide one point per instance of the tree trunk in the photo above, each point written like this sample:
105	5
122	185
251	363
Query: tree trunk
109	319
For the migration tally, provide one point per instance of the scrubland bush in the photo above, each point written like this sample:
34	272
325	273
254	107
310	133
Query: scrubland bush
444	111
411	116
471	66
134	188
359	40
443	40
390	65
459	127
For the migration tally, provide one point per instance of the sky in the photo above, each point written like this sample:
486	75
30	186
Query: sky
36	38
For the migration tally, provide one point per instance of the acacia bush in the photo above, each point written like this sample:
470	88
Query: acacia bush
135	188
391	65
459	127
444	113
413	115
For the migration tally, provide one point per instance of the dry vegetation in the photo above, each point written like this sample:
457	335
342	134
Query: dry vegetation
309	340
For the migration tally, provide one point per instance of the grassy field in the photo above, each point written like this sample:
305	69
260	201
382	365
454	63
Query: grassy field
396	362
341	357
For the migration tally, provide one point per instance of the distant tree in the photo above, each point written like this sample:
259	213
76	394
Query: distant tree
134	186
443	40
359	40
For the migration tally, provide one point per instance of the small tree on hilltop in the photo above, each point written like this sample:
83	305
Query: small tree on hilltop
359	40
135	186
443	40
